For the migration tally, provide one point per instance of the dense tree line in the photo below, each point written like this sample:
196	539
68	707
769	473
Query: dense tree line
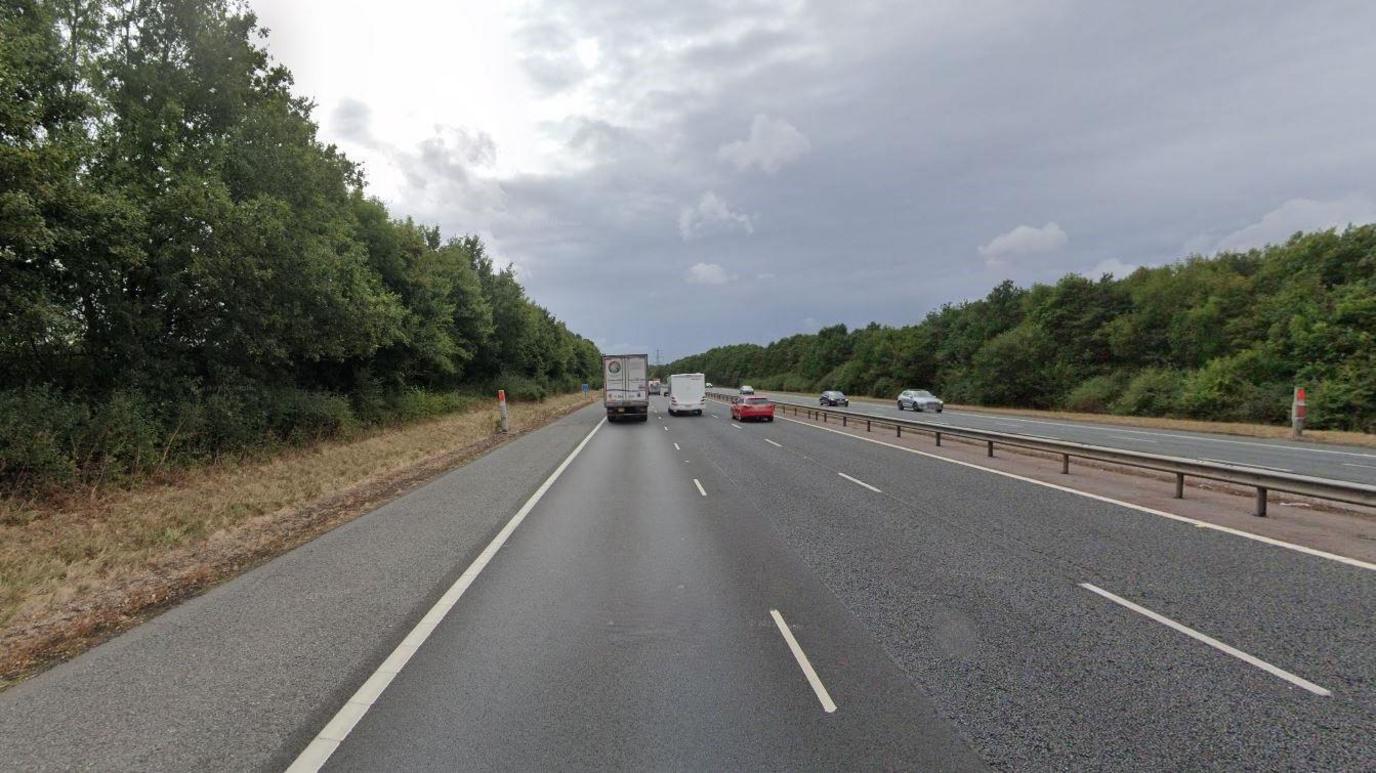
1225	338
186	269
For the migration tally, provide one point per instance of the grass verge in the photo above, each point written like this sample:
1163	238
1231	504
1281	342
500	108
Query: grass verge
75	572
1339	437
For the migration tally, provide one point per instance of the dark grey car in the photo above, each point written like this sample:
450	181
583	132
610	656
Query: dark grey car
833	397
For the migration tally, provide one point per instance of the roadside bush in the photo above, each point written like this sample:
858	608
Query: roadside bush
416	404
1344	400
1017	368
885	387
1094	395
124	436
520	388
1234	389
48	439
847	378
298	417
1152	392
226	420
37	429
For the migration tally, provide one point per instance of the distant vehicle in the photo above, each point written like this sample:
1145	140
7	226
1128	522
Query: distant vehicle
626	386
656	388
833	397
708	385
746	407
747	390
919	400
686	394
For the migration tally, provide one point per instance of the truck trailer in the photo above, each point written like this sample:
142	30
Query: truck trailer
626	386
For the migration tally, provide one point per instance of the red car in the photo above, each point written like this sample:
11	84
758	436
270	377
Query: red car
751	407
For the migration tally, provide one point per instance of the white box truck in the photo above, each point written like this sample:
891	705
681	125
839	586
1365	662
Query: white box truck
626	386
687	393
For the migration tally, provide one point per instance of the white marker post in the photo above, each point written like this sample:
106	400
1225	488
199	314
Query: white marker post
1297	413
501	406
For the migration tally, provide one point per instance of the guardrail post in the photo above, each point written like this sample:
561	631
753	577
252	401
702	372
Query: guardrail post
867	425
1065	464
824	416
899	428
1261	503
1180	485
991	448
938	438
843	420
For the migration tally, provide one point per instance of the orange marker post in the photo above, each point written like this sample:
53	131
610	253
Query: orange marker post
1297	413
501	406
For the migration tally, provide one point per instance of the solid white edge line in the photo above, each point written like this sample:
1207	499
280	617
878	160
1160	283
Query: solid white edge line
828	705
1140	508
772	443
701	490
318	751
859	482
1245	464
1211	641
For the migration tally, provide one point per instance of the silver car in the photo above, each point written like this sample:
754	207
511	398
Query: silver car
919	400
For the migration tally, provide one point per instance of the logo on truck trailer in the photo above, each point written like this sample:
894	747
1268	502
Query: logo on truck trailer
614	367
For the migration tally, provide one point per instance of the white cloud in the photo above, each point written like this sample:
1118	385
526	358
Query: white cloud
773	144
711	215
1112	266
1023	240
1299	215
708	274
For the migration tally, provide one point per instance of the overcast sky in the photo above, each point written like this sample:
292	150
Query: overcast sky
677	174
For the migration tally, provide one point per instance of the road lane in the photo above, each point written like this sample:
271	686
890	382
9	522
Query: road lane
628	625
242	677
972	582
1320	460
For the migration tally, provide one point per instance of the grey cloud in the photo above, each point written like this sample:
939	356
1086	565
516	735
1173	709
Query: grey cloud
711	215
550	57
708	274
1300	215
1023	240
597	139
773	144
352	121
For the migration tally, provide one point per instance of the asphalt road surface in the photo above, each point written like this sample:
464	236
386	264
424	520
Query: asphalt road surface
1322	460
694	593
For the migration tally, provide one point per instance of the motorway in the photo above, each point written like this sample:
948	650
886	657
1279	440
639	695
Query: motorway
1321	460
694	593
953	618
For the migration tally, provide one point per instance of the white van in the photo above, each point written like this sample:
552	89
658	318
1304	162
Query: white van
687	393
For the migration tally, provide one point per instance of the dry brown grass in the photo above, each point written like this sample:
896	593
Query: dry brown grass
75	571
1148	422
